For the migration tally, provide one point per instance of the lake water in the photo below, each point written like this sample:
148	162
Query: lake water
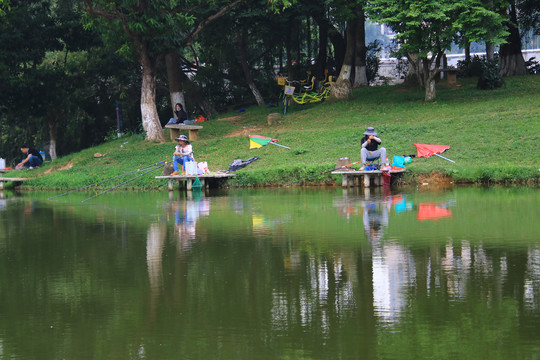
271	274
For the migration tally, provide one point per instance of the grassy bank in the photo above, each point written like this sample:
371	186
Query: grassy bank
493	137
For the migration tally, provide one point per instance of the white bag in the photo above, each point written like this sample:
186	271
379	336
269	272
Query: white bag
203	166
191	168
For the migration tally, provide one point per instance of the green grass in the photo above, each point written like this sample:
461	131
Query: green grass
493	137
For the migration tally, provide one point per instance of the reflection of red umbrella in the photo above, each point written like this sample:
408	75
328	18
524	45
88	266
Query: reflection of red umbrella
428	211
425	150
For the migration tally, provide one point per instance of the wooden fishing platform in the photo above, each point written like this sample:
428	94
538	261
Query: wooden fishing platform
188	180
352	177
3	179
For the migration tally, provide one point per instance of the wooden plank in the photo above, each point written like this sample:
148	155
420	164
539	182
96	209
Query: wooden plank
188	180
4	180
358	172
193	130
218	176
351	177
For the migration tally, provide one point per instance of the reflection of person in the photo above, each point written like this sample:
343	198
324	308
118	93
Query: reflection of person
185	219
179	115
32	160
375	218
183	153
370	148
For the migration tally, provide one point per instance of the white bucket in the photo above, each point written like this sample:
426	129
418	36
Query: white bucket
2	164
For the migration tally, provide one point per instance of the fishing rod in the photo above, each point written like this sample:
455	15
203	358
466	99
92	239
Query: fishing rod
324	172
125	182
106	180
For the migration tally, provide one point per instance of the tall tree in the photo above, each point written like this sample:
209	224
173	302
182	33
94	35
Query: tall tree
242	48
341	89
510	56
360	50
429	27
353	70
154	28
27	33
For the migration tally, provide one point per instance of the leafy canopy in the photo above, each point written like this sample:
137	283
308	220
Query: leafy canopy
431	26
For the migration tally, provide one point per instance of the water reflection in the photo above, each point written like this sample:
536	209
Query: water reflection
185	211
430	211
156	236
307	275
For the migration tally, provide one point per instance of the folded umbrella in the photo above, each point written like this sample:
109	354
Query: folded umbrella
427	150
257	141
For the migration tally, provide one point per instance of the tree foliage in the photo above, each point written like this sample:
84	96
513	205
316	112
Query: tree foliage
427	28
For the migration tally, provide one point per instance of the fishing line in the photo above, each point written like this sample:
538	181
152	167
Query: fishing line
106	180
125	182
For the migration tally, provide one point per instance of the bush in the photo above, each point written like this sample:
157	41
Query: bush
490	78
533	67
470	67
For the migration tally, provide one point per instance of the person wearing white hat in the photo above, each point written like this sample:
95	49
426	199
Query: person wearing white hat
183	152
370	148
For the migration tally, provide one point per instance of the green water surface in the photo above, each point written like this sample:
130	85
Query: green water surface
271	274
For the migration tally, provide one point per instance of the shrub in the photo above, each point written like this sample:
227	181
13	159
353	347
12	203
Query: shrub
470	67
533	67
490	78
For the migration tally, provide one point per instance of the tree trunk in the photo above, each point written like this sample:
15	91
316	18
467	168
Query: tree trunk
510	56
150	118
429	79
288	53
490	51
322	54
414	73
308	39
342	87
242	37
490	48
360	75
175	80
327	30
468	51
52	137
340	49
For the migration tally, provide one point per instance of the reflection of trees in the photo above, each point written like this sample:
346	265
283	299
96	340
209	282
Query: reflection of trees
242	291
154	254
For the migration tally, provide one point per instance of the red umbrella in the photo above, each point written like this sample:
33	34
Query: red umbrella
427	211
426	150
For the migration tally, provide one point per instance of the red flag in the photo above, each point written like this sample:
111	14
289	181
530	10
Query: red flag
425	150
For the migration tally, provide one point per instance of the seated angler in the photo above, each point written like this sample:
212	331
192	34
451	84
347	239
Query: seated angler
370	148
32	160
183	152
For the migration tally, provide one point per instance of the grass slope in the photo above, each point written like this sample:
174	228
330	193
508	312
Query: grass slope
493	137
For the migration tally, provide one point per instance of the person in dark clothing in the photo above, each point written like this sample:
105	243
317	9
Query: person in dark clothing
370	148
179	115
32	160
